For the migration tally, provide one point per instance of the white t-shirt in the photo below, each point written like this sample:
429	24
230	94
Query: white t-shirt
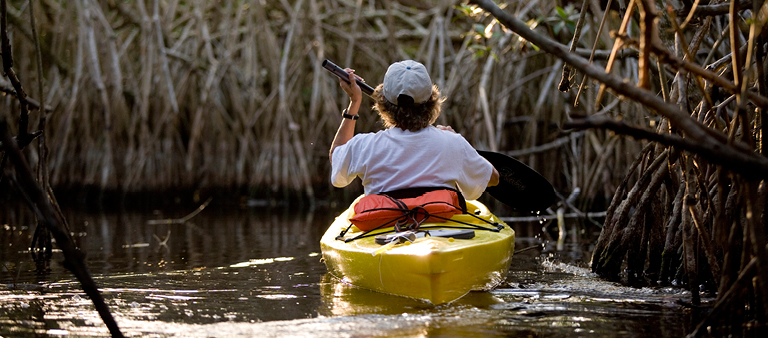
396	159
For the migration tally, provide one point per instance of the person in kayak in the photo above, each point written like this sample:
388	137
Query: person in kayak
410	153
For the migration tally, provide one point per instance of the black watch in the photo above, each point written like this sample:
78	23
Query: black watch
348	116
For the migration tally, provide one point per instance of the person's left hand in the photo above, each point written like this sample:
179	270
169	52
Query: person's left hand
446	128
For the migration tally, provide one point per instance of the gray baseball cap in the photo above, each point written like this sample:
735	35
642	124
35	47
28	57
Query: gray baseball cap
407	78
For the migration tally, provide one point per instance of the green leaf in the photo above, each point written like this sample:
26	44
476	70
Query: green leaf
477	46
464	9
561	12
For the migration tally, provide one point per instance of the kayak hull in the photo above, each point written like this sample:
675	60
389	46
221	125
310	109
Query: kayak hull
434	269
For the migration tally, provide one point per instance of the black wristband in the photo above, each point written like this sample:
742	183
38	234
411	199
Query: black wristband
348	116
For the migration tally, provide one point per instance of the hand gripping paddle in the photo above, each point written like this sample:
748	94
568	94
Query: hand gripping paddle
336	70
520	187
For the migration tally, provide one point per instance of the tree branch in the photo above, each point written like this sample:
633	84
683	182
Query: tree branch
713	10
722	155
23	136
74	259
737	156
34	104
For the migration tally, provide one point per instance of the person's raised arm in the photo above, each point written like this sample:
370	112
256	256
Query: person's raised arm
347	127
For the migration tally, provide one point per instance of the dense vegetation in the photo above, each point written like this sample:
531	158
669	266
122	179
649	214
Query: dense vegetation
159	95
692	208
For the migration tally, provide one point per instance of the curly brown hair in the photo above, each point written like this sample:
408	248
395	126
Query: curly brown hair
413	118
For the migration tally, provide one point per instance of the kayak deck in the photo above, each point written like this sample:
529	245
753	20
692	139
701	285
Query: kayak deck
434	269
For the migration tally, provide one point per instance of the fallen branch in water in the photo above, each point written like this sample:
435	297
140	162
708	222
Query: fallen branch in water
183	219
528	249
74	259
552	216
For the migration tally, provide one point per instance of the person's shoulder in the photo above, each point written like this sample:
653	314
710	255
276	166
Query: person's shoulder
447	134
363	136
382	134
363	139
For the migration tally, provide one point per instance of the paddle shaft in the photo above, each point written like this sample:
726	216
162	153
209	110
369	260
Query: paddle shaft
336	70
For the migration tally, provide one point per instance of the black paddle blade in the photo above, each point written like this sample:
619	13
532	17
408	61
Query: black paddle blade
520	187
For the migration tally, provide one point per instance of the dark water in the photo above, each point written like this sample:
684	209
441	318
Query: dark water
256	272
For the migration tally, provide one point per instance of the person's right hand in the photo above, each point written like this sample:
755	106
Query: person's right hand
351	88
446	128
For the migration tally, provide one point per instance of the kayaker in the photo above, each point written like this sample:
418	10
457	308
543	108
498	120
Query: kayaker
410	153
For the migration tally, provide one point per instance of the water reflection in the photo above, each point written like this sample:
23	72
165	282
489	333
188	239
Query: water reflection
258	272
123	242
342	299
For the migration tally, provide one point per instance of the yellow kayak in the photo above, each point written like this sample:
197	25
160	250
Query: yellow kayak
423	265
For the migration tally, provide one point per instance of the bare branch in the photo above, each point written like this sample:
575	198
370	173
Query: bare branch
74	259
720	155
737	156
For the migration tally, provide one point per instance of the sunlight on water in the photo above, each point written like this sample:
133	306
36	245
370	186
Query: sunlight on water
261	261
249	274
277	296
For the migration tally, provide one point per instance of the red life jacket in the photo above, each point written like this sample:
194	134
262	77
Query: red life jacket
374	211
